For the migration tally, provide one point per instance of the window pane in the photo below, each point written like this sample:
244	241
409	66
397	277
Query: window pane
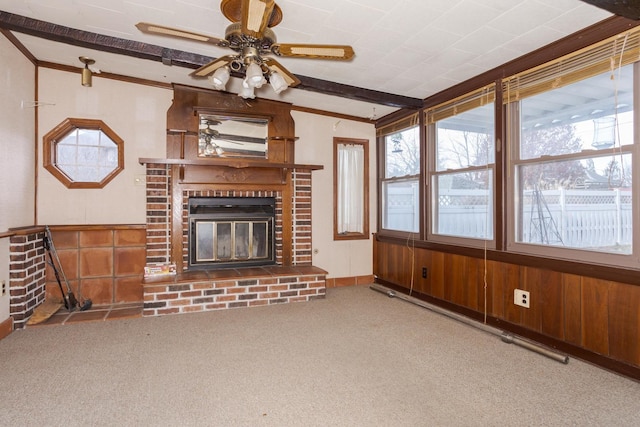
89	137
582	200
464	205
401	206
89	157
583	204
593	113
466	139
402	150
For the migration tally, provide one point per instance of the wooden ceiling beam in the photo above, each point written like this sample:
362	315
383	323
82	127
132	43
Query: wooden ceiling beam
628	8
135	49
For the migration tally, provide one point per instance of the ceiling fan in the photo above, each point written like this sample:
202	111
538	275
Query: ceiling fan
251	37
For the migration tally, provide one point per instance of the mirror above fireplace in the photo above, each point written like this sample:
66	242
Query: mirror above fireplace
232	136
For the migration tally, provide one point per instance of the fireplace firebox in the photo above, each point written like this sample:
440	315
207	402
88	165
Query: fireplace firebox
229	232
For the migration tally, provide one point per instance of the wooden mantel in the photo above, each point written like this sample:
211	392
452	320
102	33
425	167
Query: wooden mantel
229	163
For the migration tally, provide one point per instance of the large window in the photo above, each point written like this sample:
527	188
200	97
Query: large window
556	181
400	184
573	155
461	168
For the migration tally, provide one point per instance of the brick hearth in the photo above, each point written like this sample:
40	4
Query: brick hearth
232	288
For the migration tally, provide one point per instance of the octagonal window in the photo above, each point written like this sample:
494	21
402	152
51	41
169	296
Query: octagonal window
83	153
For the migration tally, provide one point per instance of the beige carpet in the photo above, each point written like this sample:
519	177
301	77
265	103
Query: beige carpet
357	358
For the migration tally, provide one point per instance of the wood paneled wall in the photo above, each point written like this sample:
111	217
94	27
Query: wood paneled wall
595	317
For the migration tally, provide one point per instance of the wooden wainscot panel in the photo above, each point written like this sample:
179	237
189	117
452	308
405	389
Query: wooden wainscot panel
438	274
506	279
572	291
595	316
551	303
494	288
457	282
474	298
624	322
227	175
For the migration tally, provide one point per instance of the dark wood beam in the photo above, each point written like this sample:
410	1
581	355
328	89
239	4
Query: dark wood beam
627	8
135	49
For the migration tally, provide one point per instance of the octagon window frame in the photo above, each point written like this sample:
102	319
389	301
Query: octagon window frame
62	130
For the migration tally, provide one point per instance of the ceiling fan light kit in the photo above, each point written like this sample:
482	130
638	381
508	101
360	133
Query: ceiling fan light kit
247	92
277	82
251	37
220	77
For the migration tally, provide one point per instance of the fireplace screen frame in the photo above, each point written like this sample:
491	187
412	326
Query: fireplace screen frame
232	213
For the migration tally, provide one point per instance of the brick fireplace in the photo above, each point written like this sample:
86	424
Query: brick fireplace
185	174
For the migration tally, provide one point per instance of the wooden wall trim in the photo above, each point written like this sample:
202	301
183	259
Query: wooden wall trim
6	327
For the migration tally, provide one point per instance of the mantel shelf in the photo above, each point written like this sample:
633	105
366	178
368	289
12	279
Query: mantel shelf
229	163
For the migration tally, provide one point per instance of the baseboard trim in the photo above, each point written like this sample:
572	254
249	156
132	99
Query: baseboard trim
338	282
6	328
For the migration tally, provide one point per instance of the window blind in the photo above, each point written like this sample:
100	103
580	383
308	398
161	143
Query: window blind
398	125
607	55
466	102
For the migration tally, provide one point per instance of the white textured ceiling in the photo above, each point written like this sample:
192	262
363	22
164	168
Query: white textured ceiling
413	48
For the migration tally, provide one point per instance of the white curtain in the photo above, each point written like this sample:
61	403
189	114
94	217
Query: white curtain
350	188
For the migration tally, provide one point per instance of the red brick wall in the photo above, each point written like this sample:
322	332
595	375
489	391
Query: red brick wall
301	206
26	275
158	238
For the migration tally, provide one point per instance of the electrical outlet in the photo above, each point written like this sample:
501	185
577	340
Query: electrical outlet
4	287
521	298
424	272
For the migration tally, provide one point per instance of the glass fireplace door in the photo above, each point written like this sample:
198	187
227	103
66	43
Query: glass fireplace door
228	241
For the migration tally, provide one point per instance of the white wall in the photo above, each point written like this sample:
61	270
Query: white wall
17	152
341	258
137	113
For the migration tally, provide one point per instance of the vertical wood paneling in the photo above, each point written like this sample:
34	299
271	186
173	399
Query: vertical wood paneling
496	284
572	289
475	284
408	261
438	274
550	295
456	280
624	322
595	318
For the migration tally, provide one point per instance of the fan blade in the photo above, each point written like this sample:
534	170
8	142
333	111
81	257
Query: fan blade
255	16
276	66
212	66
161	30
323	51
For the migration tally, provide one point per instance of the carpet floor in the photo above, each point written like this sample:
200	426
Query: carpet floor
356	358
